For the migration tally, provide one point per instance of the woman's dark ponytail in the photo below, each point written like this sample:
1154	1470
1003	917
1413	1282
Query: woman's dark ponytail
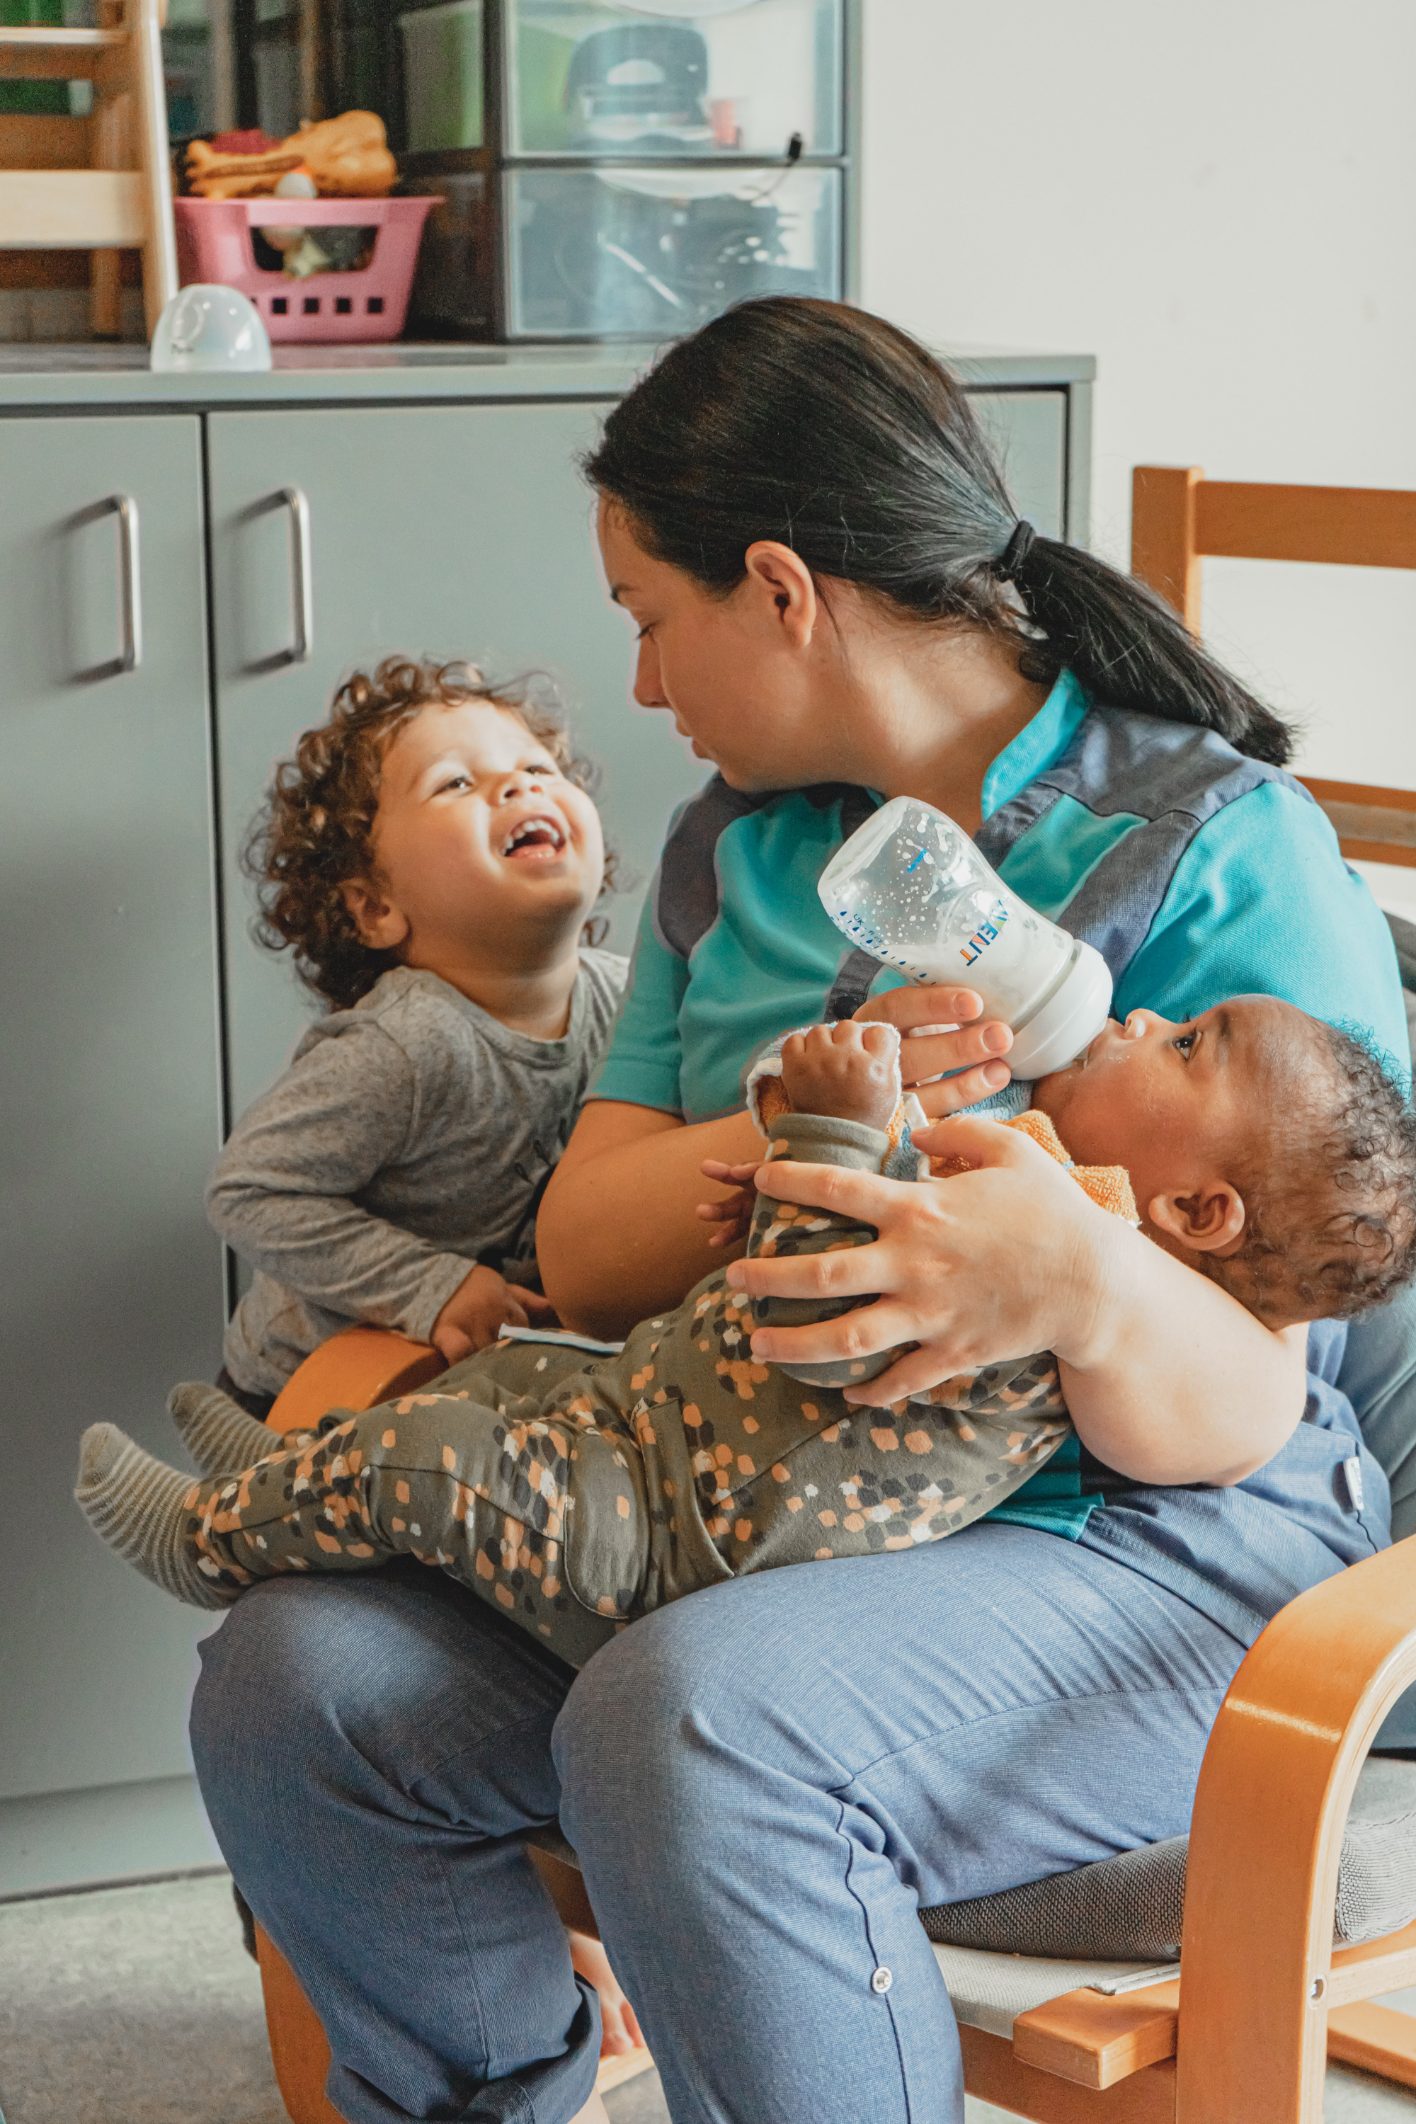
1131	650
835	432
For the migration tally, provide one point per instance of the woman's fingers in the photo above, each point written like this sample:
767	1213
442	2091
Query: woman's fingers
863	1332
845	1272
862	1196
951	1094
934	1004
980	1139
914	1373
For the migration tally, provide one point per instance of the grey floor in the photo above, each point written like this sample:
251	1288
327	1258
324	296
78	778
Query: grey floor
139	2006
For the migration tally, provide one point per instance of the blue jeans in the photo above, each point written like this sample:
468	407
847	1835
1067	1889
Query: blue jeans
765	1782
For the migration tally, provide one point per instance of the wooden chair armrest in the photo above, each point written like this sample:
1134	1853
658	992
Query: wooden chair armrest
1266	1837
355	1369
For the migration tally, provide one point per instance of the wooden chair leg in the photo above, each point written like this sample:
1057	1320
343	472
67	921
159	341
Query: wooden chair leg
150	136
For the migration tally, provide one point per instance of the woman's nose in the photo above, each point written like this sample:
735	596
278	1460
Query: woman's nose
648	682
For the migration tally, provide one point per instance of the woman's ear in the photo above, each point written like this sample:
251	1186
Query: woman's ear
1208	1220
380	924
786	586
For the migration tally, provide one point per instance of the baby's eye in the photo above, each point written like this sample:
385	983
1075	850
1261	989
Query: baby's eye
456	781
1186	1043
642	634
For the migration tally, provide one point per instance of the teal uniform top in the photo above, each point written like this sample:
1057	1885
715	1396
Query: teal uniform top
1198	873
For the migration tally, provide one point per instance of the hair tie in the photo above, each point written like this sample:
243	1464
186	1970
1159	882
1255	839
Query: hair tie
1019	546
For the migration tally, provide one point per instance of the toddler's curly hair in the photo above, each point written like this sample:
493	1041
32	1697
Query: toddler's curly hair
315	831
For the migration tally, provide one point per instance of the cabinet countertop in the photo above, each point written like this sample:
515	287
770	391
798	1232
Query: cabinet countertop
107	378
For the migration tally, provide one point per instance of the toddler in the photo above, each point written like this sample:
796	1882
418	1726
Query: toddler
431	855
1262	1146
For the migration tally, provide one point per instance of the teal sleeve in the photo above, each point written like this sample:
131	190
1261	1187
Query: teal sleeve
643	1061
1262	903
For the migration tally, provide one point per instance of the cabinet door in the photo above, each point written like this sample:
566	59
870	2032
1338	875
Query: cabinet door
460	531
110	1282
1028	430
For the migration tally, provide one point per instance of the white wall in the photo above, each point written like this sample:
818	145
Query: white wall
1217	201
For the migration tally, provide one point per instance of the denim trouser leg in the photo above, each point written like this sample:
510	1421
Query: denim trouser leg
369	1751
767	1781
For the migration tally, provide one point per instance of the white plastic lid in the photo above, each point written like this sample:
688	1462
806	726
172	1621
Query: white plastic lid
1070	1019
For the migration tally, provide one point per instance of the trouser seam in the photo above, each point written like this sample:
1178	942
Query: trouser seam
864	1910
1027	1710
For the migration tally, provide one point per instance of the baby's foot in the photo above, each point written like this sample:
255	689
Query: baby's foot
143	1509
216	1430
619	2028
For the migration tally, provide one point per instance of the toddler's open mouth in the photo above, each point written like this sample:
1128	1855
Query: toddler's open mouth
537	838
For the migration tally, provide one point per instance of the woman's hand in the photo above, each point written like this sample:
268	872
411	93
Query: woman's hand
994	1263
973	1046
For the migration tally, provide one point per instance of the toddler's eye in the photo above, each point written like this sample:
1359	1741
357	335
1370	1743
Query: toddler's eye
1186	1043
457	781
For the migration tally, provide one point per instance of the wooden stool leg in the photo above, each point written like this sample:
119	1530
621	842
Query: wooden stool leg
150	131
111	133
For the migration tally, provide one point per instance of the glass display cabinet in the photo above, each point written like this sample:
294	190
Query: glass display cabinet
623	168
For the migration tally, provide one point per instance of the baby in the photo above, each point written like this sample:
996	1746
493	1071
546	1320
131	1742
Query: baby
431	855
1262	1146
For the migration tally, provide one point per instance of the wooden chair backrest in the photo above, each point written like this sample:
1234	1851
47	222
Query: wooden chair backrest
1178	516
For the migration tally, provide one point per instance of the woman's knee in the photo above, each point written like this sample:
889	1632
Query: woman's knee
657	1726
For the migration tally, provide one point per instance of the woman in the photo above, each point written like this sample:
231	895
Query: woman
765	1782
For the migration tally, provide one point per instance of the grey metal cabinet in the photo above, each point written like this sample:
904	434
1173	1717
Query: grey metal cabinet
109	1280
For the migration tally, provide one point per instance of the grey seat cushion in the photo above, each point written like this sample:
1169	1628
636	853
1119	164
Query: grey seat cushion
1129	1908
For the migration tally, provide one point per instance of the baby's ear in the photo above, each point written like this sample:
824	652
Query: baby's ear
380	924
1208	1220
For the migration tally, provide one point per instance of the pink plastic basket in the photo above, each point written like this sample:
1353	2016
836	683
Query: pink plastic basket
214	244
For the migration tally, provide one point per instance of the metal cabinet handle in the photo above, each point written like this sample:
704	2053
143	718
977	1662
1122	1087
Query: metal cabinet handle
130	582
301	576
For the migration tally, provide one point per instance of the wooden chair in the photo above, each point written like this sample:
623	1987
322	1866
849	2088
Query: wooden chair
1266	2000
123	198
1177	516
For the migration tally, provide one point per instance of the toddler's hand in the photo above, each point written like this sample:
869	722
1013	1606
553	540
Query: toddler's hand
731	1213
473	1315
619	2026
849	1071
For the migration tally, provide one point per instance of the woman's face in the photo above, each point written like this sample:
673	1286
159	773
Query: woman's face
736	672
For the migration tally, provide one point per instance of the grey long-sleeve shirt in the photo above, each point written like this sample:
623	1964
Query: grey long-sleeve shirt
409	1137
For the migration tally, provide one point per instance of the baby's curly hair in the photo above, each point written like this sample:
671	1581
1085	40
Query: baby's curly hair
1330	1190
315	831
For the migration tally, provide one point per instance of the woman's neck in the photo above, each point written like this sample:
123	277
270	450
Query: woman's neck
931	712
533	995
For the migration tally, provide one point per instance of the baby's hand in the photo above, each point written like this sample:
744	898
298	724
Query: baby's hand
731	1213
848	1071
473	1315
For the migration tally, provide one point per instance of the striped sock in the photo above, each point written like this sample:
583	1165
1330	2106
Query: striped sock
216	1431
143	1509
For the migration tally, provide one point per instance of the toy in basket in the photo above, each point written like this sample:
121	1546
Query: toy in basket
303	227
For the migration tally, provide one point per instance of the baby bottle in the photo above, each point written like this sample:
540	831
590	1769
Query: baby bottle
910	887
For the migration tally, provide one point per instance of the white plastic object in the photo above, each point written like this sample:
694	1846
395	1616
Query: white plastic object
207	326
910	887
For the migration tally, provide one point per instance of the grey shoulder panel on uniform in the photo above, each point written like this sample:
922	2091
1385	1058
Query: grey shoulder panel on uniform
686	895
1171	777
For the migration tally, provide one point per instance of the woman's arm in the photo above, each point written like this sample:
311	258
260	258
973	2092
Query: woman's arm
618	1237
1167	1378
